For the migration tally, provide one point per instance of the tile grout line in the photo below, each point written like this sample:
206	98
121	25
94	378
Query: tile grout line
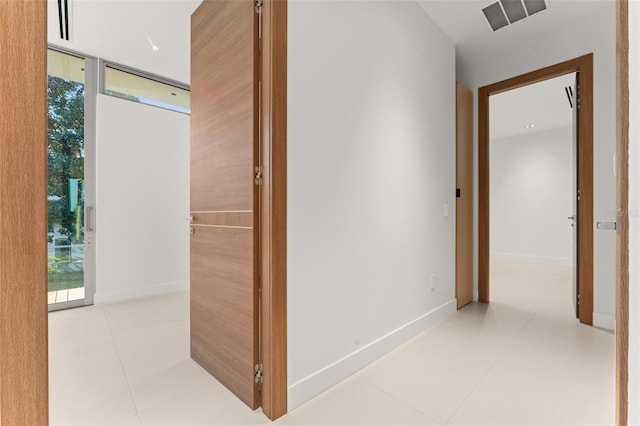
404	403
492	366
124	373
532	316
364	379
138	412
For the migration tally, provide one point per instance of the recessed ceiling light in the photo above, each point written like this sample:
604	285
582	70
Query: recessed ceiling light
151	43
529	126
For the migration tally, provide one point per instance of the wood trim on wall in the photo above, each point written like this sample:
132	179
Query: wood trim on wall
584	67
274	208
23	214
622	211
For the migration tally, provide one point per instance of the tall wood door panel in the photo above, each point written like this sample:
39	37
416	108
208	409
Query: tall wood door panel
574	196
224	197
464	195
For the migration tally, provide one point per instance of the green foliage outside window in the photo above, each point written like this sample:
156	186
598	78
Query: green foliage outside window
65	156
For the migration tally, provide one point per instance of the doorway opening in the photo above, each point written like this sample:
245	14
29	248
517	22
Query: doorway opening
532	182
583	68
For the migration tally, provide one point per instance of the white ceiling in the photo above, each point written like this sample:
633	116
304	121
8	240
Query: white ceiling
544	104
465	24
122	30
117	30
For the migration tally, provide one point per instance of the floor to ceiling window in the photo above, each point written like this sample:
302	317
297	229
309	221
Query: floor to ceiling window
69	180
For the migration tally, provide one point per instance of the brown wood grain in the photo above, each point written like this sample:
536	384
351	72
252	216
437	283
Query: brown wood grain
484	290
622	209
243	219
222	307
224	153
584	67
223	106
464	203
584	222
23	213
274	208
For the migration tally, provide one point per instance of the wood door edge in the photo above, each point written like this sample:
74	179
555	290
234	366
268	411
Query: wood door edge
464	182
622	207
24	387
273	328
483	195
584	66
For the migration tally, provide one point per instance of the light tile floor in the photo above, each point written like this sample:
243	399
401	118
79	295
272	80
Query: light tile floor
522	360
65	295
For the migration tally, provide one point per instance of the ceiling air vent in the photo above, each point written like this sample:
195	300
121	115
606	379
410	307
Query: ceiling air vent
505	12
514	10
495	16
63	18
569	91
534	6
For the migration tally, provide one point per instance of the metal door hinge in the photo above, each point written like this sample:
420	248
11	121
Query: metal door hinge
257	177
257	377
258	6
578	301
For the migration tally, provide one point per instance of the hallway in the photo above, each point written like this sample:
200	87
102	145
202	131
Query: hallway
523	360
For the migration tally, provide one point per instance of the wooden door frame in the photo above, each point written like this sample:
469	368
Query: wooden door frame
584	67
622	212
273	209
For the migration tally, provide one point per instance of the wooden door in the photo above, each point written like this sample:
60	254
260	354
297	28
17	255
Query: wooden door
24	388
224	197
464	195
574	198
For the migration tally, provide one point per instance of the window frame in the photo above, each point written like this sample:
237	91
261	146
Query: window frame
103	64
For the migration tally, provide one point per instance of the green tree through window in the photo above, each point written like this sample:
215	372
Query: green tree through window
65	156
65	152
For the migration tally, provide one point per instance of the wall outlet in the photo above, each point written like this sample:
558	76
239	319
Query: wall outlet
445	210
434	282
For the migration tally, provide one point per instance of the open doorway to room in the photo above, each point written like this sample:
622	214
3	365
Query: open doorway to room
525	226
532	182
583	196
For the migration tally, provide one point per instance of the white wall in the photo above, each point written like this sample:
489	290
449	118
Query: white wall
531	197
634	217
371	157
142	200
593	34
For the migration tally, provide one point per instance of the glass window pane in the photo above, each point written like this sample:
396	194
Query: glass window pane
145	90
65	67
65	161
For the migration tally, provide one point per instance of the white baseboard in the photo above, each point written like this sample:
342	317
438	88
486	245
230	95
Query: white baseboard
608	322
532	258
312	385
117	296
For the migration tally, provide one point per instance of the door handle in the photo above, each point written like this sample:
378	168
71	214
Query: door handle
88	227
572	217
